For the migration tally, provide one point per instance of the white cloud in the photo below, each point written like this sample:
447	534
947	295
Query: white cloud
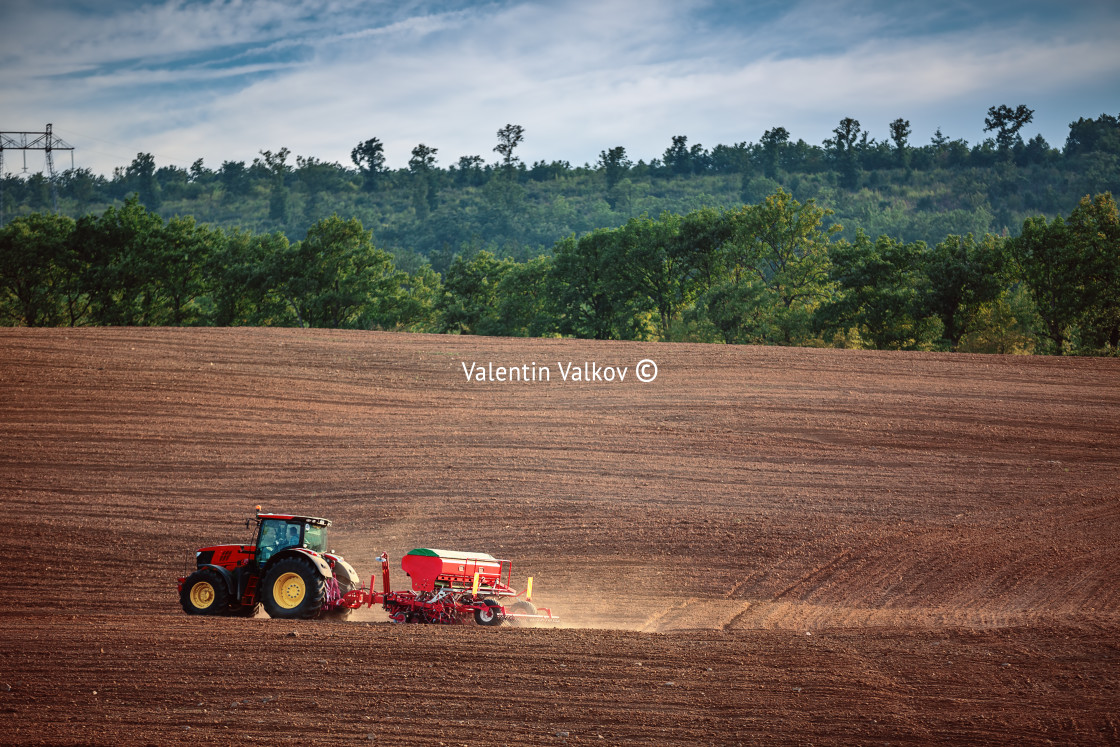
580	76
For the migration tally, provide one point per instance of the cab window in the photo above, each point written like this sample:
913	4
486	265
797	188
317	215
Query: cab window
315	537
276	535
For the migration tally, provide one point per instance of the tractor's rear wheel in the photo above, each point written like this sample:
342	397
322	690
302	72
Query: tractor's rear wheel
490	614
204	593
522	608
293	589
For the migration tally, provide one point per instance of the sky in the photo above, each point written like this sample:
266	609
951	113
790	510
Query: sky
226	79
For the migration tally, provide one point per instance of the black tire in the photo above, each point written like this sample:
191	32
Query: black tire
205	593
293	590
490	615
522	608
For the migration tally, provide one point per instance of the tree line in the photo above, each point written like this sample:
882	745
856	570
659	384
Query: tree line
773	272
428	212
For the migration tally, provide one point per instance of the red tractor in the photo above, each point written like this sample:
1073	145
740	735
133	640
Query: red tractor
287	568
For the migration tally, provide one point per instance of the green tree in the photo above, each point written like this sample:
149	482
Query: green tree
744	312
141	174
615	165
114	250
773	143
965	276
1007	326
730	159
884	294
526	305
470	294
81	185
1101	135
702	239
509	137
1048	261
176	262
1007	122
469	172
422	165
587	286
320	180
654	268
38	191
1072	268
36	270
677	157
417	304
369	157
782	246
1094	227
279	204
844	149
775	272
234	178
900	134
238	280
1035	151
336	278
174	183
200	174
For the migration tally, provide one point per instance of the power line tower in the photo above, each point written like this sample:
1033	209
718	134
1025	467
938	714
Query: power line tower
25	141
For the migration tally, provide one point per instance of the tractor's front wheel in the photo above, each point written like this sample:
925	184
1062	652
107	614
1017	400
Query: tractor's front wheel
204	593
293	589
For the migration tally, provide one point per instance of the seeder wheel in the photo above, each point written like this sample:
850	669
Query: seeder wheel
522	608
490	614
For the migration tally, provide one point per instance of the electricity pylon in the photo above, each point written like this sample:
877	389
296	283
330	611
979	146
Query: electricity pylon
25	141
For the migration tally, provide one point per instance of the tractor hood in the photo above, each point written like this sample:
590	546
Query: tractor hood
226	556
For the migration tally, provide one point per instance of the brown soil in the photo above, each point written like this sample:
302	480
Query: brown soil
762	545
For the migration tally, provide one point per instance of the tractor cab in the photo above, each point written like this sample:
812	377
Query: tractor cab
276	532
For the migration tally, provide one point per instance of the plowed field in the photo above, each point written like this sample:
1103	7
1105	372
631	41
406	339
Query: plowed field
761	545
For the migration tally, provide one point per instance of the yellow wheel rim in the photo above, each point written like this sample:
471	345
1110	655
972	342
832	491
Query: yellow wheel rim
202	595
289	590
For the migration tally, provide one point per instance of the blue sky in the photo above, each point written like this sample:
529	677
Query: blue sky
225	80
